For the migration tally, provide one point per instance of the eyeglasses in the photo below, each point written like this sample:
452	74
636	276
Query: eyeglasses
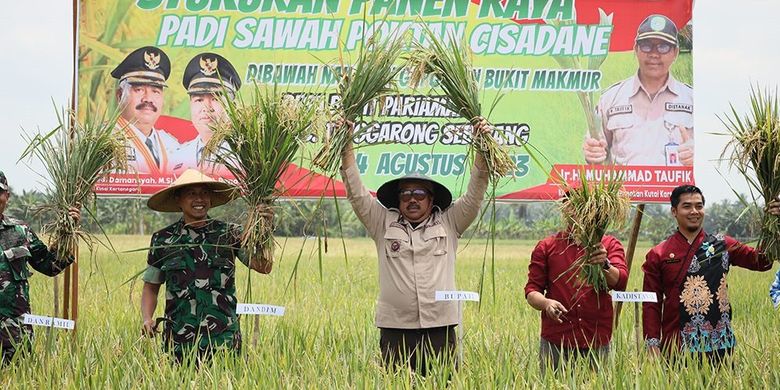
660	48
418	194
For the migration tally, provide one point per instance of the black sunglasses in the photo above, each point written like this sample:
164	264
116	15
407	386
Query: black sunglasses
417	193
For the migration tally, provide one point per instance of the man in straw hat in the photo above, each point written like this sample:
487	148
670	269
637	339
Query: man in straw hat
195	258
20	247
576	319
415	226
688	272
647	119
142	75
206	77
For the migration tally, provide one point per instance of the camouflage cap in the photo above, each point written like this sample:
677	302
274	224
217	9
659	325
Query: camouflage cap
657	26
3	182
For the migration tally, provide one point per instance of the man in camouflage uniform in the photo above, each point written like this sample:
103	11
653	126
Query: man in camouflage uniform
20	246
195	258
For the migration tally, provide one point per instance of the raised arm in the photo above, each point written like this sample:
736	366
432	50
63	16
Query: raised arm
368	210
464	210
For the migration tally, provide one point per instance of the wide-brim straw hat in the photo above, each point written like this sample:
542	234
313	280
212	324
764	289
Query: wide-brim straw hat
388	192
164	200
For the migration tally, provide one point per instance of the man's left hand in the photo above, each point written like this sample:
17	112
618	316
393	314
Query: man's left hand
74	212
481	126
685	151
599	255
774	207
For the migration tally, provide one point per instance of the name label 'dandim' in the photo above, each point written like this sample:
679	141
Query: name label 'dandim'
260	310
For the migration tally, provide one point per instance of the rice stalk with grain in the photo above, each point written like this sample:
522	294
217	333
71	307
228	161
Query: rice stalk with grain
256	142
589	209
366	81
76	154
753	150
451	65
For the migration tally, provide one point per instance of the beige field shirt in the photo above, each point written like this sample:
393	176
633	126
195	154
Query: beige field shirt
637	127
414	263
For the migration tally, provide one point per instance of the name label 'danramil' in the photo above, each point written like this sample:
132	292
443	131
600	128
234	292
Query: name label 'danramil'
35	320
634	296
457	296
259	310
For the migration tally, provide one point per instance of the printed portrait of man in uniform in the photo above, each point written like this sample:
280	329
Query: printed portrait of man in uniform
208	78
140	95
647	119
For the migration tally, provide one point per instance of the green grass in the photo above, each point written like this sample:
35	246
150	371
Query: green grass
327	338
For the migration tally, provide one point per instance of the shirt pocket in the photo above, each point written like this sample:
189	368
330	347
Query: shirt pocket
435	237
223	270
17	262
396	242
177	275
620	122
675	119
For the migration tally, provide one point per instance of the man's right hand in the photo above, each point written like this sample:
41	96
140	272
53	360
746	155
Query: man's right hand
595	150
555	310
148	328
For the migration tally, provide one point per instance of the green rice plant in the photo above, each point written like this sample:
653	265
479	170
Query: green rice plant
753	151
588	210
369	78
256	142
76	154
451	65
327	338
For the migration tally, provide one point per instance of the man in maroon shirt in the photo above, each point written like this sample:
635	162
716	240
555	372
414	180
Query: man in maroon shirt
688	273
576	320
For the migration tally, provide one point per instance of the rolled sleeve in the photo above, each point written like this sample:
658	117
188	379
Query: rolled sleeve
153	275
537	270
617	257
370	212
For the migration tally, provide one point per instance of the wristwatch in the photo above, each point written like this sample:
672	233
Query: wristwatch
606	265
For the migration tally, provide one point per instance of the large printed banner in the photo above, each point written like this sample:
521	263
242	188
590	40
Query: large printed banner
586	87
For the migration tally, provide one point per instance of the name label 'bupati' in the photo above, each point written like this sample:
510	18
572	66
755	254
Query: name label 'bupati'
457	296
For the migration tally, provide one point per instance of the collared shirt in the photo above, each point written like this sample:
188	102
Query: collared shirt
20	247
197	266
665	268
638	126
588	323
415	262
188	155
139	158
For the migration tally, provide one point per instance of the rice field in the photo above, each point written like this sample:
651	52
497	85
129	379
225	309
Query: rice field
327	338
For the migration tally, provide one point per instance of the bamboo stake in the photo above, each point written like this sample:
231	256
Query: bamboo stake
637	224
72	277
